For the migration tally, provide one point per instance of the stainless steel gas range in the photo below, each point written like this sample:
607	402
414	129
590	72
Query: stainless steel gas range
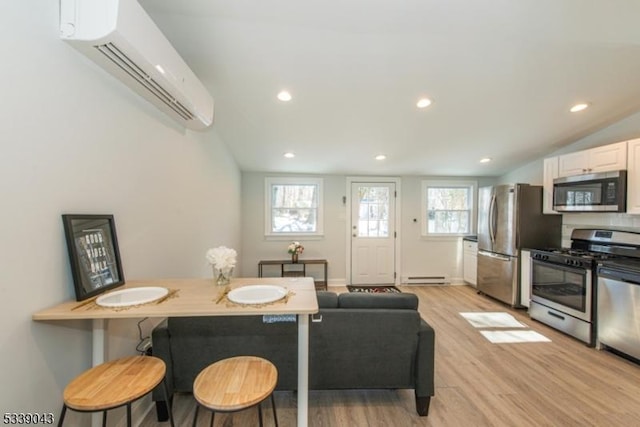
563	281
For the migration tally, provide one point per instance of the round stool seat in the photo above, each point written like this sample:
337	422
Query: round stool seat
235	383
114	383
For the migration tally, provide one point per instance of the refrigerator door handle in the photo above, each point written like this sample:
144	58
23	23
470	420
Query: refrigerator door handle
494	255
492	218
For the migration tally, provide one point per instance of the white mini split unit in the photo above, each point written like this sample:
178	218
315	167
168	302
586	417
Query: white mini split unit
120	37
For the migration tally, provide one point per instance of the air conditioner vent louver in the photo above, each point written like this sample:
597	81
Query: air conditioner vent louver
112	52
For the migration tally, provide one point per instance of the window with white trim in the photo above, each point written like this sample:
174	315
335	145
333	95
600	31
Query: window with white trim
447	207
293	206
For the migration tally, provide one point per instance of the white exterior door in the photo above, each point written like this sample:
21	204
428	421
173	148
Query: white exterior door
373	233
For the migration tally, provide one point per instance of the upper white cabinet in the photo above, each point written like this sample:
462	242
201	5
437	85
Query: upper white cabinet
633	177
550	173
607	158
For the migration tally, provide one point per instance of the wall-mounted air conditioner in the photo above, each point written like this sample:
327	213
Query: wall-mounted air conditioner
120	37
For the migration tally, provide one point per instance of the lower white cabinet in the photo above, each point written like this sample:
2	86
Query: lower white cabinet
470	261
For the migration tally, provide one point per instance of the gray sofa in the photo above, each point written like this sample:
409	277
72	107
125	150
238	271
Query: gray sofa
357	341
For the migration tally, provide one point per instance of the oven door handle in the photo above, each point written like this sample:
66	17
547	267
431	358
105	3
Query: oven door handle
577	270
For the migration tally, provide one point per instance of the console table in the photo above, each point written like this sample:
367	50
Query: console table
286	269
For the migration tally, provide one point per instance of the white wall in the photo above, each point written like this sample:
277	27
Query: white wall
75	140
428	256
624	130
256	247
419	255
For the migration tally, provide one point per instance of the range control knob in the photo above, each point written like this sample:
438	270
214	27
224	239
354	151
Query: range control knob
574	262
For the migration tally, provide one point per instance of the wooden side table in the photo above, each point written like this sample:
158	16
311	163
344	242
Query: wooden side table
288	268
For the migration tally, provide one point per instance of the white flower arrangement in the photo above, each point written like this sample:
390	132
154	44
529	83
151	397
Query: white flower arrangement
295	248
222	258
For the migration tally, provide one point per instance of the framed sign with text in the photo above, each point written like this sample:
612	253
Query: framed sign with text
93	253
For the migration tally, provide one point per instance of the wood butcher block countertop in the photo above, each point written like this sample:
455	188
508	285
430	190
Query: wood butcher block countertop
193	297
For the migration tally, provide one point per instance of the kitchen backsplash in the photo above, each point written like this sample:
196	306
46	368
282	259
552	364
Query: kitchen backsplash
608	221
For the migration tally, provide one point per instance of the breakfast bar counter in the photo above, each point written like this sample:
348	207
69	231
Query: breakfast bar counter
201	297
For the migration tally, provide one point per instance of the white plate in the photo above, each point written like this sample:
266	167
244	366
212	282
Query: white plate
131	296
257	294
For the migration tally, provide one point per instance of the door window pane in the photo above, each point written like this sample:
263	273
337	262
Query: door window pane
373	220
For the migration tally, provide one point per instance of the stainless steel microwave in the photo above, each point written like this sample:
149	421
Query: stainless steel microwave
597	192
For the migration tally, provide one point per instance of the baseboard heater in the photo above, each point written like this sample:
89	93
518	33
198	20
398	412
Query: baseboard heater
425	280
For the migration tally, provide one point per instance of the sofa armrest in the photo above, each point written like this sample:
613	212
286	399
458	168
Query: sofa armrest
161	348
425	361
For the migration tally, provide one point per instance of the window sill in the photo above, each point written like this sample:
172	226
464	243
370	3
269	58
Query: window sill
443	238
290	237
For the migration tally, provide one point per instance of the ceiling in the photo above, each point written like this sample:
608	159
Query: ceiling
502	75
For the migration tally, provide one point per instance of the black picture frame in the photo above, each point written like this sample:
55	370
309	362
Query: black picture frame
93	253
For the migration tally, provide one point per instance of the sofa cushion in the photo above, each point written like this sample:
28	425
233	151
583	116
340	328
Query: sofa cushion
365	300
327	299
360	348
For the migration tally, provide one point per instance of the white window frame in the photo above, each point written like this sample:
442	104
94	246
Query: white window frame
269	182
472	186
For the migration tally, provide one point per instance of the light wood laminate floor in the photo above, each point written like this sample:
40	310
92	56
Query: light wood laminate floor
561	383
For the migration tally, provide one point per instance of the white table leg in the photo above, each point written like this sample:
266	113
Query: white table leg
99	341
303	370
99	338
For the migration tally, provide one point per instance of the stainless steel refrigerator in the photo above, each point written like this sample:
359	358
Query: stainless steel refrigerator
510	218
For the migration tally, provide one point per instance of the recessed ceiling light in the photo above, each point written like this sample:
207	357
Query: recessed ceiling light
485	160
381	157
284	96
289	155
423	103
579	107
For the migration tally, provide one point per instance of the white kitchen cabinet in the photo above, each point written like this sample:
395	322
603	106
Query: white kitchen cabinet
606	158
470	261
550	172
525	277
633	177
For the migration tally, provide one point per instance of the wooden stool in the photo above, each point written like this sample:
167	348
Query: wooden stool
234	384
114	384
